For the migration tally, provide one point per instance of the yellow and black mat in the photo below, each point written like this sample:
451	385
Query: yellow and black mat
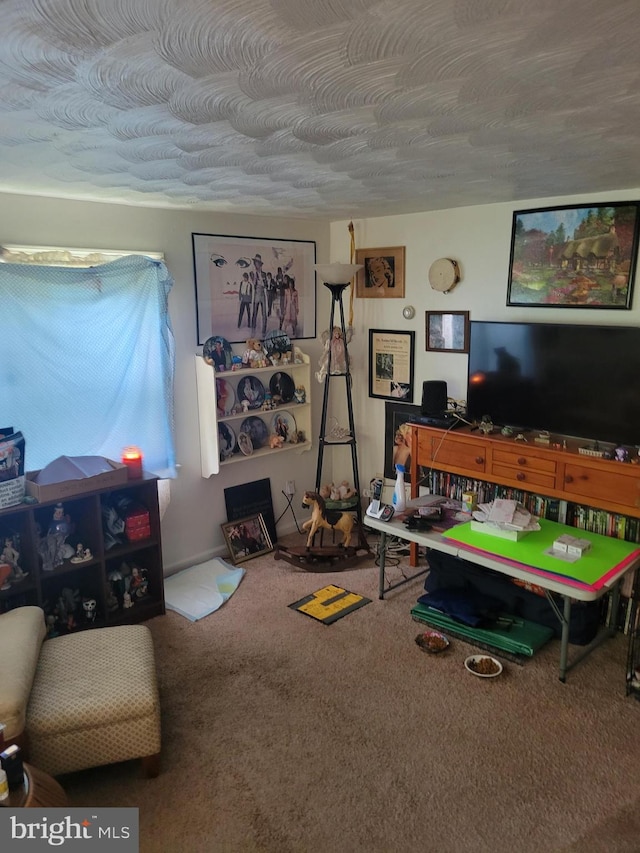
329	604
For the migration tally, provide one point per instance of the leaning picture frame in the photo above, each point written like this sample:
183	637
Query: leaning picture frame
382	273
247	538
391	364
246	287
581	256
397	438
447	331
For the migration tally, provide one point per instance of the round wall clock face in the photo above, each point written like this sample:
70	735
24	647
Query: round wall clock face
444	274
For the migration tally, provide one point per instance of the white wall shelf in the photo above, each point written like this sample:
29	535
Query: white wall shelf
212	457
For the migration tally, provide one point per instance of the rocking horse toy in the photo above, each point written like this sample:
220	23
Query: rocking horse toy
331	520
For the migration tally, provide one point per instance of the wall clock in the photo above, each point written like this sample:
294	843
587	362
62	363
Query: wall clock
444	274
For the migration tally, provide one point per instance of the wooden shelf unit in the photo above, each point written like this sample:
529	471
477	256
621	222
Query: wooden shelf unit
562	473
42	588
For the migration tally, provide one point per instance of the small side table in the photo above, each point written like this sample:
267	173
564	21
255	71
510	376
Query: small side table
39	791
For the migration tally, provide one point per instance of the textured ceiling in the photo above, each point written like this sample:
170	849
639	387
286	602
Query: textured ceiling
332	108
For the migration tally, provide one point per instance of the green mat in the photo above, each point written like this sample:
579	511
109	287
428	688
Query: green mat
515	636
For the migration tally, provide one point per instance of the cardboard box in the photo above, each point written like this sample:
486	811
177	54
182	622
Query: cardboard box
469	501
512	535
562	543
579	547
117	476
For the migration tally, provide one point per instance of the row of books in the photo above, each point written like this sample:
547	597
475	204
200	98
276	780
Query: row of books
576	515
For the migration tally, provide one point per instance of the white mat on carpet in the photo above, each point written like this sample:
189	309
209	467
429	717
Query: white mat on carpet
200	590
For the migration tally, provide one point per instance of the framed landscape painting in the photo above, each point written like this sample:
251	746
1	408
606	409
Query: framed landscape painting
276	278
574	257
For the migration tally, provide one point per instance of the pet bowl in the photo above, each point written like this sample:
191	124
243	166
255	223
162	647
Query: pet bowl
484	666
433	642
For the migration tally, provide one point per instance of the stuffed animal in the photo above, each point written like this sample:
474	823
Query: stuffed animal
346	491
253	354
276	442
335	493
325	491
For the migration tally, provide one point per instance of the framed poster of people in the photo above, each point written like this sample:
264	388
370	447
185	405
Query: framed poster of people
391	364
249	286
581	256
397	438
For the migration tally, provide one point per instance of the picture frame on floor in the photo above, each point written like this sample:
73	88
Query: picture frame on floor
247	538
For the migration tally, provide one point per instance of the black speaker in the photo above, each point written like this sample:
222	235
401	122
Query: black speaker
434	397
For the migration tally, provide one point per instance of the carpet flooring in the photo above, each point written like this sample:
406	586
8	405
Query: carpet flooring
283	735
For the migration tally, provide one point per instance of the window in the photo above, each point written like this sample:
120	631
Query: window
87	360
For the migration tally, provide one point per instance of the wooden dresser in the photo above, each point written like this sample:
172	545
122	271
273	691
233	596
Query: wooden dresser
547	470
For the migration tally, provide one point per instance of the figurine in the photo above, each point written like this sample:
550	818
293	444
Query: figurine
621	454
336	342
126	601
11	556
300	394
276	442
82	554
89	607
138	583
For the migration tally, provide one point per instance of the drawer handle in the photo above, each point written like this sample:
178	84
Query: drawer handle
479	460
522	461
520	476
568	479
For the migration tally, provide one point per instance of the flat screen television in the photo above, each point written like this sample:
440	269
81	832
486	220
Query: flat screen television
574	380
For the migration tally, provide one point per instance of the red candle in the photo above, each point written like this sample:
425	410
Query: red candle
132	458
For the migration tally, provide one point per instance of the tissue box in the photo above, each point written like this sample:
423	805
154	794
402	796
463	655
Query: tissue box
513	535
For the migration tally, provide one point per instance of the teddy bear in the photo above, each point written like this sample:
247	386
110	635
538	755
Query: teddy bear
253	354
346	491
276	441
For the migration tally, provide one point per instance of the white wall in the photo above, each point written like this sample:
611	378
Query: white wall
191	527
479	239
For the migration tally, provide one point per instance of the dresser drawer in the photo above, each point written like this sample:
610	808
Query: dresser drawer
523	460
525	478
453	453
598	486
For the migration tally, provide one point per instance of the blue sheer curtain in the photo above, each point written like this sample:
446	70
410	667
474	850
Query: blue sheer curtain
87	360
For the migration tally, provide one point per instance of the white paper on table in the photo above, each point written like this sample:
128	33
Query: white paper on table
502	510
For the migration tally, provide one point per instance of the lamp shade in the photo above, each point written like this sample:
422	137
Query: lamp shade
337	273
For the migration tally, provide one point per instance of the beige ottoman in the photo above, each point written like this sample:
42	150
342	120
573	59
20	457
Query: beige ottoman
95	701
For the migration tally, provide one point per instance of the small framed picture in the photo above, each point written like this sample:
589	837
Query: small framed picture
247	538
391	364
447	331
382	273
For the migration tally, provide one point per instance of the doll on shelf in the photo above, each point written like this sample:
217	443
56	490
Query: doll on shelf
334	342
